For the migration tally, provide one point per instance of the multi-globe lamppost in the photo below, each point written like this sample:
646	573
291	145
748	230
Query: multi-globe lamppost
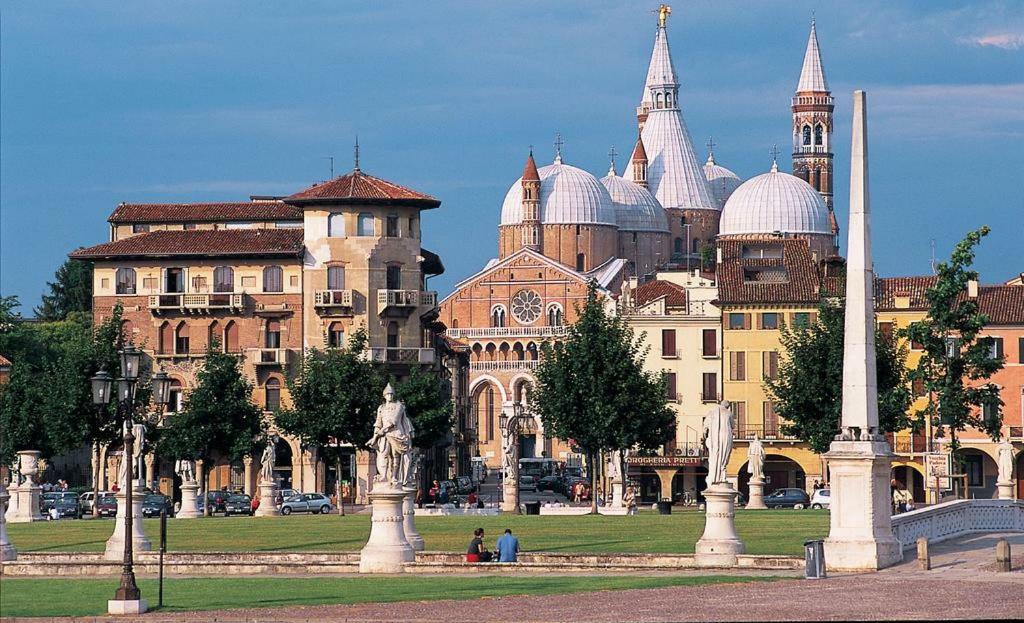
127	404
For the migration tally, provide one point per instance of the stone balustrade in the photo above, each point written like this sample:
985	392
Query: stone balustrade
958	518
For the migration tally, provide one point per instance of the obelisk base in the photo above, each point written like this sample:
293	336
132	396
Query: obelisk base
268	493
409	524
387	550
756	500
509	496
720	545
189	504
127	606
860	535
140	543
1005	490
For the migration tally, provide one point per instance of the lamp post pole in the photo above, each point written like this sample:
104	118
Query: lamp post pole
127	384
687	227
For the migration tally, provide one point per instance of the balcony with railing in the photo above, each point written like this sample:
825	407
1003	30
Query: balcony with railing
813	100
772	432
334	301
507	332
907	443
269	356
390	354
196	303
405	301
489	366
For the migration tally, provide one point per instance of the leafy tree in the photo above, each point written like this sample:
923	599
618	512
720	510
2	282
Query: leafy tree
808	390
429	405
70	292
334	398
218	418
955	361
707	256
592	388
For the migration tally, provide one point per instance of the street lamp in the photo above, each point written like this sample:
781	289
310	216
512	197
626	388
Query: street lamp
510	427
102	386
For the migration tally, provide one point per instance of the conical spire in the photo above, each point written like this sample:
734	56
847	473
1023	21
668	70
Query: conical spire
660	72
530	173
639	153
812	76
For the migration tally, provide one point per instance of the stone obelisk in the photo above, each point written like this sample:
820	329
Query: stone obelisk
860	535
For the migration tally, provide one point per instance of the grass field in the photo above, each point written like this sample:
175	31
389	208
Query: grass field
32	597
764	532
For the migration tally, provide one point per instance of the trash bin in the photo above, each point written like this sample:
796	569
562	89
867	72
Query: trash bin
814	559
665	507
532	508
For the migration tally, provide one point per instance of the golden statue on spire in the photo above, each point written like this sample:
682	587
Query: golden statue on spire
663	12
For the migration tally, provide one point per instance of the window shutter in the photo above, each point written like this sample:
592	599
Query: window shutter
741	418
917	387
885	328
999	346
1020	350
670	386
732	366
710	343
746	321
760	321
812	318
741	366
771	420
668	342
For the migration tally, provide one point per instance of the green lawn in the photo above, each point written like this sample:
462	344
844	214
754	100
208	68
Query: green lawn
34	597
764	532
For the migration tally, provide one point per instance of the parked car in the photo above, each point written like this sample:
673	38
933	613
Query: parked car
527	483
550	483
217	500
153	503
821	498
238	505
464	485
87	499
65	502
107	505
307	503
788	498
284	494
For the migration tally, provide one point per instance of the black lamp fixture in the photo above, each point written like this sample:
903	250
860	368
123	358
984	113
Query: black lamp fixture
102	386
161	385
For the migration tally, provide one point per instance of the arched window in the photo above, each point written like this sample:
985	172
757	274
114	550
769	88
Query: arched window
818	132
213	337
807	135
668	100
223	279
231	337
166	339
273	334
273	279
677	245
336	335
484	407
365	224
125	281
336	225
657	100
175	397
181	339
555	316
335	277
498	316
581	262
273	394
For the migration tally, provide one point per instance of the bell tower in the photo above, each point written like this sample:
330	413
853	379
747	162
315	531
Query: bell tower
812	126
531	204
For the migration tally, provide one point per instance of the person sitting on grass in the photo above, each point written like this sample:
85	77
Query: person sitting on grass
508	547
476	552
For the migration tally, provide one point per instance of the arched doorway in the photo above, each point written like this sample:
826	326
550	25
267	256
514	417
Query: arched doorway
911	479
980	473
283	465
779	473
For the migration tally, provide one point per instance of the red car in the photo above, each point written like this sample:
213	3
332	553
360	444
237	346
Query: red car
107	506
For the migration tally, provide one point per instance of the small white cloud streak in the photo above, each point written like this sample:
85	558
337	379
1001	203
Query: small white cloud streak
1005	40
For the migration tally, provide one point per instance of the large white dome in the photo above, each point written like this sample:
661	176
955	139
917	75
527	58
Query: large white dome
721	181
636	209
568	195
775	202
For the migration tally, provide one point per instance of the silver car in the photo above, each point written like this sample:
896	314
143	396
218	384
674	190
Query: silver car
307	503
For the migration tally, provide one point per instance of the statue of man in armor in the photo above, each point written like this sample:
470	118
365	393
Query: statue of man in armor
392	441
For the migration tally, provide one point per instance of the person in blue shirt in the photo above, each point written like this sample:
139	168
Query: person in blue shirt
508	547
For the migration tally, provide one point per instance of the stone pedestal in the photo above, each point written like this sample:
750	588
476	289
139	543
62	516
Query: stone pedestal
1005	490
860	535
268	493
409	508
510	496
26	508
756	500
719	545
12	503
140	543
7	551
387	550
126	606
189	501
616	496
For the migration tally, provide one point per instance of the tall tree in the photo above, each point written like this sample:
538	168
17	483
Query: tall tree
956	362
808	390
218	419
592	388
71	291
334	398
428	403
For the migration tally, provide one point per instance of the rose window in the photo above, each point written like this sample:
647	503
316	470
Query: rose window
526	306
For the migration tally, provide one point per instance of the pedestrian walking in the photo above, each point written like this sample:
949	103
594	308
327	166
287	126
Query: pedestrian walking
629	500
508	547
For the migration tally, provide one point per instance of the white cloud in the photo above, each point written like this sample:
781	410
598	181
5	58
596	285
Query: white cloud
1004	40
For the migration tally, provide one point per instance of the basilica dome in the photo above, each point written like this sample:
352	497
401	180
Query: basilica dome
636	209
775	202
721	181
568	195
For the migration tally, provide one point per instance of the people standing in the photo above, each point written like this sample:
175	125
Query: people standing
629	500
508	547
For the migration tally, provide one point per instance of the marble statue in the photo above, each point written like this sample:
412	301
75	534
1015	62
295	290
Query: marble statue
392	440
755	459
718	439
613	470
1005	462
268	460
185	469
509	460
139	432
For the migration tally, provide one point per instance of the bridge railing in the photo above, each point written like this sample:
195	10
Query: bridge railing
950	520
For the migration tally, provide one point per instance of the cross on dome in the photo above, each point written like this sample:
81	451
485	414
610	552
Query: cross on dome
774	151
558	147
611	156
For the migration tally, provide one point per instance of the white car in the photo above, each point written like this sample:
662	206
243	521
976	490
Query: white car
821	498
86	500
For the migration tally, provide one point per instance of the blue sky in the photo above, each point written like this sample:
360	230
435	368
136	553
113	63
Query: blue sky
147	101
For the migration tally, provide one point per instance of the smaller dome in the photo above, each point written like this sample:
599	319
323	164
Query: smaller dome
721	181
636	209
775	202
568	195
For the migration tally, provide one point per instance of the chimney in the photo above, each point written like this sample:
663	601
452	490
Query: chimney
972	289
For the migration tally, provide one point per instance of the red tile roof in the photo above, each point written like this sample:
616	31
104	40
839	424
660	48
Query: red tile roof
4	362
1002	304
200	242
205	212
358	187
888	288
793	278
675	296
639	153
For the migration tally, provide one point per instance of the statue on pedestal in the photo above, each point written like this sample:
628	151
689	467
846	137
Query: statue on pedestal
613	470
718	439
139	432
268	460
392	440
1005	463
185	469
755	459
